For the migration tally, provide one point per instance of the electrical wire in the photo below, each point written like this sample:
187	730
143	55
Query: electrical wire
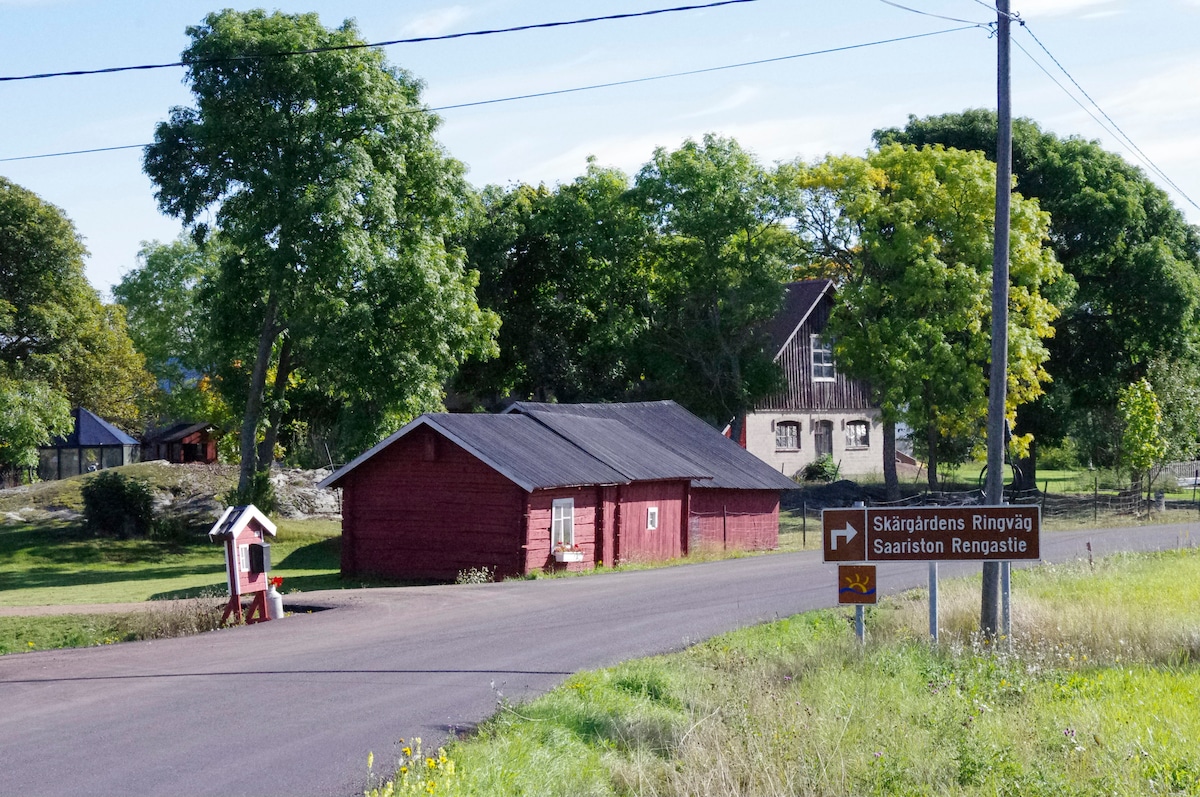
935	16
591	87
413	40
1121	136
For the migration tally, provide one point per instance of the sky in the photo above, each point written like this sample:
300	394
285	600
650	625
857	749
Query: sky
1137	59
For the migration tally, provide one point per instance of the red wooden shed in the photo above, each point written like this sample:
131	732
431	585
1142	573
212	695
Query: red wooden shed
544	484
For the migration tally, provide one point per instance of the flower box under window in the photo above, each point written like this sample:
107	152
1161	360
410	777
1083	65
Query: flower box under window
568	556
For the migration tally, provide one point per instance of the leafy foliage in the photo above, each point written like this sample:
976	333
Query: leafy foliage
912	229
1132	254
1142	443
332	201
117	506
821	469
31	414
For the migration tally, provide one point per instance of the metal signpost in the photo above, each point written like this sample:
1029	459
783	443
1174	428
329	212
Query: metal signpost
928	534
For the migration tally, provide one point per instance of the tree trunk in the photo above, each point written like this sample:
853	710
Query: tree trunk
266	449
254	399
931	463
891	481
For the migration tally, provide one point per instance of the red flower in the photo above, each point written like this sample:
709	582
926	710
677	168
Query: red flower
276	581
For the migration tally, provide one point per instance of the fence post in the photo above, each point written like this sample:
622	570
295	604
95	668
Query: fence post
804	524
1095	498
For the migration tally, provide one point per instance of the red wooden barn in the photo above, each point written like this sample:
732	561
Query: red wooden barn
544	484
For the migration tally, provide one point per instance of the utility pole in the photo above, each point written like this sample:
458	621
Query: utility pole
998	385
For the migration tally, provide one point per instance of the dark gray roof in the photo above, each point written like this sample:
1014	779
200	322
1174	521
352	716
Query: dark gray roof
528	453
538	446
175	432
91	430
621	448
799	299
671	427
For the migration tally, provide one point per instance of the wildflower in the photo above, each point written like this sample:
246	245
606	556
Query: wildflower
407	751
403	770
878	754
1069	733
430	763
370	759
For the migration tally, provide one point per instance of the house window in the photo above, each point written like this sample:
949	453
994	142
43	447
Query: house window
651	518
822	359
562	524
858	434
243	555
787	436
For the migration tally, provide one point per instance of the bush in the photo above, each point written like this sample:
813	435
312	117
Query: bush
261	493
1063	457
822	469
115	506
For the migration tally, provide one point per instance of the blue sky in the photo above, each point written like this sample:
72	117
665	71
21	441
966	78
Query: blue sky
1137	58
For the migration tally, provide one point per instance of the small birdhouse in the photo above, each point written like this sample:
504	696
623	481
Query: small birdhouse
245	530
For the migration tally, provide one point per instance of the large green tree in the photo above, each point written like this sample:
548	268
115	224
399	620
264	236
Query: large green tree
563	268
1134	257
333	200
717	263
914	230
59	345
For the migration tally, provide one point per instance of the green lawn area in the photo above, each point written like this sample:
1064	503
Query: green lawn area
43	564
1097	693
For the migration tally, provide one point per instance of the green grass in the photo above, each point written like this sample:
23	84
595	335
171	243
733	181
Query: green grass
60	563
1097	693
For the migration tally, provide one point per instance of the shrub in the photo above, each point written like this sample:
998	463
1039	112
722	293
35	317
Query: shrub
476	575
822	469
261	493
116	506
1063	457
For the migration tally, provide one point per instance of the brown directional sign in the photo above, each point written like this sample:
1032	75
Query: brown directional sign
932	534
856	584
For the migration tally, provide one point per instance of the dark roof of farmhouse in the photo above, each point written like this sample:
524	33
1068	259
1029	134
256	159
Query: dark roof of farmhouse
91	431
799	299
539	446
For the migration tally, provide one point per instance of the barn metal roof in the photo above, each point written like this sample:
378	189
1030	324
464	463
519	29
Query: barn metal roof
92	430
670	427
538	446
526	452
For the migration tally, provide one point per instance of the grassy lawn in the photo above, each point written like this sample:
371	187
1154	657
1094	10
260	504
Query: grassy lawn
59	563
1098	693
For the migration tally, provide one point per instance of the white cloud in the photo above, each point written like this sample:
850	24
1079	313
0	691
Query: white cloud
739	98
436	22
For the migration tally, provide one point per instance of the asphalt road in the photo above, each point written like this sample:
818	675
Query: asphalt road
292	707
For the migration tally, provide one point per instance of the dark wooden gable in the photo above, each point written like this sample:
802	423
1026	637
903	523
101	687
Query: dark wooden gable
806	312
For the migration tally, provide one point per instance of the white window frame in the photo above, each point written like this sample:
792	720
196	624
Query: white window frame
795	427
562	523
822	359
651	518
866	435
243	555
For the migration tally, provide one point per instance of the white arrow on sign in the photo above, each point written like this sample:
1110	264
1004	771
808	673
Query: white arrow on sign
846	534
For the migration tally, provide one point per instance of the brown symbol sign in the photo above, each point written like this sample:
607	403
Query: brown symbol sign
856	584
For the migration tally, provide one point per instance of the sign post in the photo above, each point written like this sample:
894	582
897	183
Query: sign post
931	534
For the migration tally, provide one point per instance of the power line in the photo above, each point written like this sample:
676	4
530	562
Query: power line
1128	142
930	14
413	40
591	87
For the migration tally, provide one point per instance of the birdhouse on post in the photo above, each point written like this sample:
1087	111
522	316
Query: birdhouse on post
244	531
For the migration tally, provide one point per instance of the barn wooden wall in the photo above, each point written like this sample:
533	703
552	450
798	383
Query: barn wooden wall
406	516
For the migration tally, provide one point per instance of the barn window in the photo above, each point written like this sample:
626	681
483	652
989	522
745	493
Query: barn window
787	436
651	518
858	434
822	359
562	524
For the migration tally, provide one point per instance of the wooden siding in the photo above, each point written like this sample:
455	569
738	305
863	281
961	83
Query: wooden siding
801	391
640	544
425	508
538	553
734	519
